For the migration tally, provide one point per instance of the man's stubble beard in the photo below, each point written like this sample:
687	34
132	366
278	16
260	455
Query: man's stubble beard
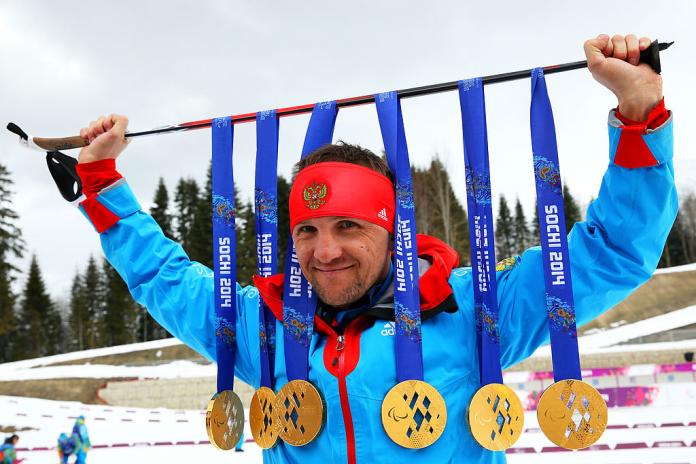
348	296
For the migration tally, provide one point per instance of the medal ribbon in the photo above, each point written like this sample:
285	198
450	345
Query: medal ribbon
224	252
266	203
409	353
478	196
299	301
560	307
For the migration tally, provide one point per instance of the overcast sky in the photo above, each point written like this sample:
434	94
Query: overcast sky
162	62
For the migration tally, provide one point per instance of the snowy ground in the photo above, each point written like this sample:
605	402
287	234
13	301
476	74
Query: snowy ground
596	343
662	433
665	433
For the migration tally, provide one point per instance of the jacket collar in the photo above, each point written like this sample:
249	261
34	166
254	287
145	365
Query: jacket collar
435	292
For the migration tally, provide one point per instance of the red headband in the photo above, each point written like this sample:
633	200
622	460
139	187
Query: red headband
342	189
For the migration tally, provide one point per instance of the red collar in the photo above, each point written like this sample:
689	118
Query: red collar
434	288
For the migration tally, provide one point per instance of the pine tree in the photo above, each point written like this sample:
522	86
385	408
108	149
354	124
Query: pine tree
520	232
119	317
201	247
41	328
93	297
572	209
504	230
283	221
11	246
687	209
187	201
160	209
246	243
536	236
438	211
675	251
424	220
78	319
8	318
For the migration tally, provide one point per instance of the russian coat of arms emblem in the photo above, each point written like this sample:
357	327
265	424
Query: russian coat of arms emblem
315	195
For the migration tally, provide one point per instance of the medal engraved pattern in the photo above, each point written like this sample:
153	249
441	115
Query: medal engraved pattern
300	412
263	420
496	417
572	414
224	420
414	414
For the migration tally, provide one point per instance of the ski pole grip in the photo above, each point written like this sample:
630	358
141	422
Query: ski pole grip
651	55
63	143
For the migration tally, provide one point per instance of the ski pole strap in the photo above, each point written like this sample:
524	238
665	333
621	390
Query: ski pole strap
409	353
554	243
266	202
224	251
299	301
64	172
482	242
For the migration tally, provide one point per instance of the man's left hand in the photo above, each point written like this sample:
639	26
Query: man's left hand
614	63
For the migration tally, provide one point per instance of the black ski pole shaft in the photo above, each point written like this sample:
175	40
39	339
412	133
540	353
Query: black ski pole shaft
650	56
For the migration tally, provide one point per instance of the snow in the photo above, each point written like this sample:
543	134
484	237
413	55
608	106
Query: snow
172	370
606	340
602	342
663	322
94	353
164	435
136	431
683	268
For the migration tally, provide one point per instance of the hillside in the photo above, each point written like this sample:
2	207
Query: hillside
666	291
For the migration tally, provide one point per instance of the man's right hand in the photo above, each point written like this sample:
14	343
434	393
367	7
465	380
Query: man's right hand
106	138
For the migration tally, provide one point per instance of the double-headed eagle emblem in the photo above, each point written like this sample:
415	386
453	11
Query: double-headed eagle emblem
315	195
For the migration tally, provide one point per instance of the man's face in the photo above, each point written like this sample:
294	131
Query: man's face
341	257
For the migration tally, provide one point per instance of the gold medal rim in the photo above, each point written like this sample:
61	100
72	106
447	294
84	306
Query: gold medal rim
318	401
220	444
255	410
567	443
396	392
515	402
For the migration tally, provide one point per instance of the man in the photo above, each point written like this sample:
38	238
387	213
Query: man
81	438
67	446
346	258
8	454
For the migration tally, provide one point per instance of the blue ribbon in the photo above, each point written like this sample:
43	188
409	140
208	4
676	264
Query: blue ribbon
560	306
224	252
482	243
266	202
409	353
299	301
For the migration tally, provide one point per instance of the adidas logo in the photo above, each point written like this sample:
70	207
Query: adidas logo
388	329
383	214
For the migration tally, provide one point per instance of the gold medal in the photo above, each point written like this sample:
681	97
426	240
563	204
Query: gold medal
263	419
572	414
300	412
496	417
224	420
414	414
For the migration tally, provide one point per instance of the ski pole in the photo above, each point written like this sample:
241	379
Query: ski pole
649	56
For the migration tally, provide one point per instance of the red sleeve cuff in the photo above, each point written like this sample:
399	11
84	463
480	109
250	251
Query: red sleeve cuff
97	175
658	115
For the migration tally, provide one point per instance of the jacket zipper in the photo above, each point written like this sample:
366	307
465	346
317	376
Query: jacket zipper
345	405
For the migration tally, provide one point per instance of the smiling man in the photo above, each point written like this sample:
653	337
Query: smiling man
341	212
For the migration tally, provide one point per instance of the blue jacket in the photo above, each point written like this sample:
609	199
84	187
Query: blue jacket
612	253
7	453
